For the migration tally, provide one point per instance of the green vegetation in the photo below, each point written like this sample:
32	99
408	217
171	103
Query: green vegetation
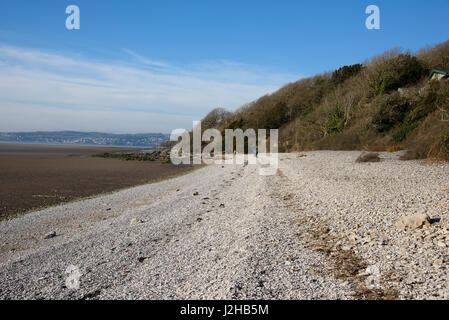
411	122
394	73
392	112
125	156
336	120
385	101
346	72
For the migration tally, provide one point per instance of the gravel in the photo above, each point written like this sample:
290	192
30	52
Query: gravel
324	227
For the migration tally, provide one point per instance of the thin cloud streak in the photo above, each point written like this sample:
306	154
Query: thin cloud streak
146	61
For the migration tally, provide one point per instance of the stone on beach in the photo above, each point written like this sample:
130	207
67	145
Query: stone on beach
415	221
368	157
135	221
50	235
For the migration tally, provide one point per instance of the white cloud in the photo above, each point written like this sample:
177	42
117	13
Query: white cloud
117	96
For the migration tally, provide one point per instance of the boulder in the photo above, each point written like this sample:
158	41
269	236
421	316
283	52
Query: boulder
368	157
415	221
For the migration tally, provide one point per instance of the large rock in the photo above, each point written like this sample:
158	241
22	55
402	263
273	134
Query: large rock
368	157
414	222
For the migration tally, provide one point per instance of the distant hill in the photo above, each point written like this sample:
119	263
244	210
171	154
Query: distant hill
386	103
85	138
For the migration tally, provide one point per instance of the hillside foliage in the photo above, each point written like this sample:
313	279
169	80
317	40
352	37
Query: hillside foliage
385	103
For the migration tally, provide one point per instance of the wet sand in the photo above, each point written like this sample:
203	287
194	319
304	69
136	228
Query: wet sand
35	176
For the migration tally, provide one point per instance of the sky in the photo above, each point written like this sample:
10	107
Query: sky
154	66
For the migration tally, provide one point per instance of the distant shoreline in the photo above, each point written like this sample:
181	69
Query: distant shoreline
71	145
79	138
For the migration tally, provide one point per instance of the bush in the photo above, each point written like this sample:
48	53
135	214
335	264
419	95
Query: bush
346	72
412	121
430	140
336	120
403	70
435	97
393	110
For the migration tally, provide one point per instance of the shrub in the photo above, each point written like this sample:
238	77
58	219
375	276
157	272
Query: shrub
403	70
346	72
435	97
392	112
430	140
336	120
412	121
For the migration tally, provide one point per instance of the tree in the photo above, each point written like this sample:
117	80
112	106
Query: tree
346	72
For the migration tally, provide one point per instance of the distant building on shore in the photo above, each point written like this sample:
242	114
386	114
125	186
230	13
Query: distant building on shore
437	74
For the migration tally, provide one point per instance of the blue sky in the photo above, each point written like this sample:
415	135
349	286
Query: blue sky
147	66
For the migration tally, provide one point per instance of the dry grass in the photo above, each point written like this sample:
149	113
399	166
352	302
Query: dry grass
377	148
395	148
